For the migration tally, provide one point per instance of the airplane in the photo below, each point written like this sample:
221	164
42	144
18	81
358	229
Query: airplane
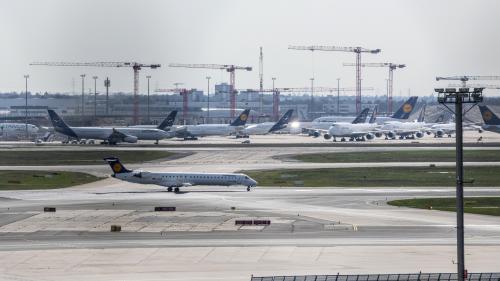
267	127
173	181
325	126
192	132
355	131
324	123
491	120
16	130
110	136
408	130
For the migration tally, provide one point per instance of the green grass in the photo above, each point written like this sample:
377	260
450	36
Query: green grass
375	177
21	180
400	156
475	205
92	157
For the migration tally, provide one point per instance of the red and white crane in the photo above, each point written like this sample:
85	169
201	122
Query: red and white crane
356	50
392	67
229	68
134	65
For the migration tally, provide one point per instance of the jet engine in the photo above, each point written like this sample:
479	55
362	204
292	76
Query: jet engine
327	136
378	134
391	135
130	139
419	134
316	134
370	136
439	133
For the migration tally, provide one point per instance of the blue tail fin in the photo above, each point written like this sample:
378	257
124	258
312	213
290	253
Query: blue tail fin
361	118
242	119
421	116
116	165
373	118
282	122
59	124
489	117
405	110
169	121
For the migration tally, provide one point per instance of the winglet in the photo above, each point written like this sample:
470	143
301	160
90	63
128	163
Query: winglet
116	165
169	121
242	119
282	122
361	118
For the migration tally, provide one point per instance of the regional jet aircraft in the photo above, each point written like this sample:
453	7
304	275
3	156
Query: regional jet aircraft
173	181
110	136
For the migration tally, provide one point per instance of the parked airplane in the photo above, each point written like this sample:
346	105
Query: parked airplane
203	130
408	130
165	125
491	120
324	123
267	127
358	131
110	136
173	181
323	127
16	130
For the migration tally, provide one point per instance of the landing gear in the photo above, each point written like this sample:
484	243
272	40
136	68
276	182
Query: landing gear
169	189
248	188
334	139
157	141
342	139
176	190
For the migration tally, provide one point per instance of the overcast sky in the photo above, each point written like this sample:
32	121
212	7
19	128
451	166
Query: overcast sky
431	37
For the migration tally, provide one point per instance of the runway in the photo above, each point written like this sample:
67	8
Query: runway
313	230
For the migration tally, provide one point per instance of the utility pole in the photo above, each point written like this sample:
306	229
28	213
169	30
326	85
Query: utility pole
26	106
208	98
149	117
95	98
338	96
311	108
459	97
261	80
107	84
83	96
276	102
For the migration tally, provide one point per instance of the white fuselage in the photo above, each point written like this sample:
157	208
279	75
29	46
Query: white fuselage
14	130
204	130
186	179
102	133
257	129
404	127
342	129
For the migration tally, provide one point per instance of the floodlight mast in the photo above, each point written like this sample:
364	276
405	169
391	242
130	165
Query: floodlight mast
459	97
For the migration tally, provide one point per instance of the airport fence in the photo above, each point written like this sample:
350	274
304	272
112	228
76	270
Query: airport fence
384	277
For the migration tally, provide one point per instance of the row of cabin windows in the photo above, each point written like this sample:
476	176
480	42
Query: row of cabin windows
200	177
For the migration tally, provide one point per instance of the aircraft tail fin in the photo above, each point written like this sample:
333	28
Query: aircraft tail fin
282	122
406	109
421	116
116	165
59	124
361	118
373	118
242	119
169	121
489	117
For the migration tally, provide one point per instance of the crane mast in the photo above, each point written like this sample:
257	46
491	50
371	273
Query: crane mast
229	68
390	80
134	65
356	50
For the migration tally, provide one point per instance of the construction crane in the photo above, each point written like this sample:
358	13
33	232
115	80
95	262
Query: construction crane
466	78
276	94
486	86
392	67
261	79
134	65
356	50
229	68
185	99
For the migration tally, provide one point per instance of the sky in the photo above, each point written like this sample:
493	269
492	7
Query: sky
433	38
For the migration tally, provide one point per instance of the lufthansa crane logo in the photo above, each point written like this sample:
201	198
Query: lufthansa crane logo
243	117
487	115
407	108
117	167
